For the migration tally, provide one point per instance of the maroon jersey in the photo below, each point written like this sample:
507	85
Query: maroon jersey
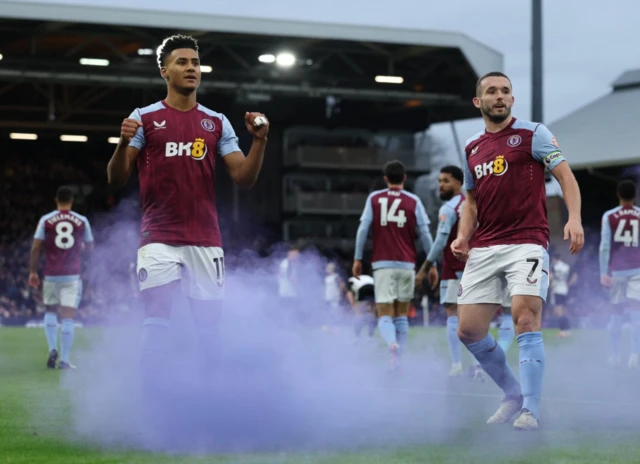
397	218
505	170
176	165
619	245
63	234
451	265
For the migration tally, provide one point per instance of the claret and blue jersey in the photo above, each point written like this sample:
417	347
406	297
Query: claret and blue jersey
511	160
397	218
63	234
176	165
619	242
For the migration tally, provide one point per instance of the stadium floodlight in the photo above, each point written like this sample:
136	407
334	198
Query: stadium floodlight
285	60
0	56
389	79
94	62
268	58
114	140
205	69
145	51
74	138
23	136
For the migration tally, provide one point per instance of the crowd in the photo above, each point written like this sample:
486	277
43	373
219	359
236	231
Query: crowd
109	279
27	192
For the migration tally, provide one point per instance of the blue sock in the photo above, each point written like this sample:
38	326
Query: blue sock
66	339
51	330
615	334
635	331
387	329
402	330
455	348
506	333
531	369
493	361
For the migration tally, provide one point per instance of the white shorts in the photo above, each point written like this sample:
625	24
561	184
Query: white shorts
201	269
449	293
523	268
392	284
66	294
625	288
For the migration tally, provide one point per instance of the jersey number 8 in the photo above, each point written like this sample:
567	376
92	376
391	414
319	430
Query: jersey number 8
64	235
392	214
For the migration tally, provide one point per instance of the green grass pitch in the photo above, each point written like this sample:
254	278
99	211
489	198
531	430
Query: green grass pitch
582	424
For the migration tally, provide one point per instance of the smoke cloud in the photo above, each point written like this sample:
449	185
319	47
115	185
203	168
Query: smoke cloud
278	382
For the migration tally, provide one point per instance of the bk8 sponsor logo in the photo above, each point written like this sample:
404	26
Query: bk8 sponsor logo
497	167
196	149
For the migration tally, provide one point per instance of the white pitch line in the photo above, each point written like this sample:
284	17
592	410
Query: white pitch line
489	395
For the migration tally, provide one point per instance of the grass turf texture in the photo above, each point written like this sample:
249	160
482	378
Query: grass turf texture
575	434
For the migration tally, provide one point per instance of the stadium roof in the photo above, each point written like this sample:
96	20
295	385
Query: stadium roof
604	132
42	43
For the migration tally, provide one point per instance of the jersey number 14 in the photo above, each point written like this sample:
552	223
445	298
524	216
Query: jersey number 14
392	214
628	237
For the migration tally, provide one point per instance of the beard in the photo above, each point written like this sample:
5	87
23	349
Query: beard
495	118
446	196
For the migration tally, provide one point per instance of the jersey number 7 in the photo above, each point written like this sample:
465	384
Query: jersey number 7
392	214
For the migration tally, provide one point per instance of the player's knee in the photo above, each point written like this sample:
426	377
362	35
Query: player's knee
67	312
385	309
451	309
526	322
401	309
158	300
468	334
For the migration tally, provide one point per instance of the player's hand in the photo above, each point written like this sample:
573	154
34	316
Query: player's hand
34	280
433	277
460	249
606	281
259	131
356	270
574	230
128	129
420	276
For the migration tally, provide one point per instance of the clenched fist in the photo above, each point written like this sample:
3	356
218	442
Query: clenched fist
128	129
257	125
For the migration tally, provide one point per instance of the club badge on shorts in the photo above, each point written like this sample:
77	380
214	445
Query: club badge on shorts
459	290
142	274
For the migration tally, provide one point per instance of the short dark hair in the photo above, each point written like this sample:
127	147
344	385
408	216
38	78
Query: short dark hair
64	195
627	190
172	43
394	171
455	172
490	74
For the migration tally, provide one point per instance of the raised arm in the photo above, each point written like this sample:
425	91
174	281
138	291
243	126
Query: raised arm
126	153
243	170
